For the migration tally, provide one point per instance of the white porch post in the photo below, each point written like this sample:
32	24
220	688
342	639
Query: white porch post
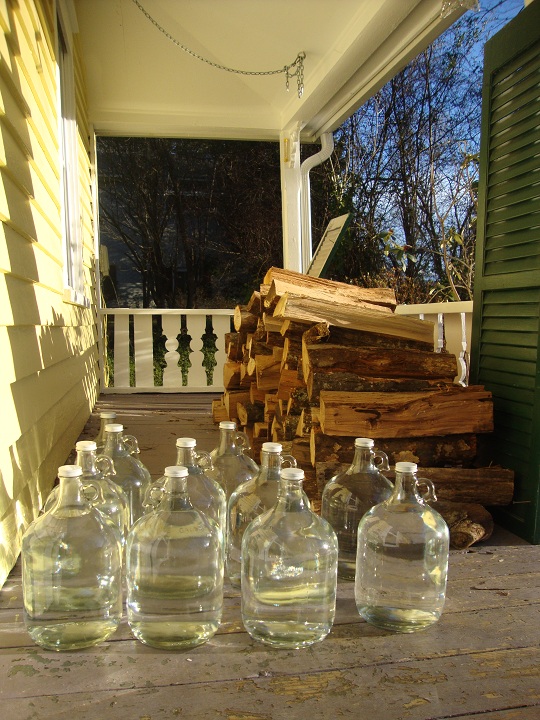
291	184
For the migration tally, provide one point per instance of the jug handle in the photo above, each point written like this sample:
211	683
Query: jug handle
382	459
288	461
242	440
130	441
105	465
204	460
429	495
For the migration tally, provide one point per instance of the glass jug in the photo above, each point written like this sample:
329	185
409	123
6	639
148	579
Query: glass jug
252	498
99	488
402	559
174	573
232	466
130	475
350	494
205	493
71	571
107	417
289	571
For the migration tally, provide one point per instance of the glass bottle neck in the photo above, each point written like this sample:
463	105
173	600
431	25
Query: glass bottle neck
186	456
175	495
227	442
406	488
291	495
70	493
270	465
87	461
114	444
362	460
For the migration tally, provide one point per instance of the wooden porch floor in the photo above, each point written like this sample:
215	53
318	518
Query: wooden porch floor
482	660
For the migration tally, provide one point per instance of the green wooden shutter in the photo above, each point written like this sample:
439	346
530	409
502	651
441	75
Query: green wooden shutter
506	318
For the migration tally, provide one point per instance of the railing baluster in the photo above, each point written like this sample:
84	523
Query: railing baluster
121	351
221	325
196	325
144	351
172	374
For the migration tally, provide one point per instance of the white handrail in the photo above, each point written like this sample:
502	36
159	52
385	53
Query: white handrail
133	350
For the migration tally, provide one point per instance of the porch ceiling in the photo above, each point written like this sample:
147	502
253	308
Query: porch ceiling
140	83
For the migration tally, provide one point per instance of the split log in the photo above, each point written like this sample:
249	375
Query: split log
231	375
233	345
493	486
260	429
309	417
347	382
250	413
231	398
247	373
243	320
255	394
288	381
267	371
275	339
393	363
270	405
293	329
282	281
255	304
219	411
270	323
325	332
292	354
468	523
357	318
298	401
453	410
258	347
451	450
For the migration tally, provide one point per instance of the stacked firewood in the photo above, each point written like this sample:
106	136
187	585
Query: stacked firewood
314	364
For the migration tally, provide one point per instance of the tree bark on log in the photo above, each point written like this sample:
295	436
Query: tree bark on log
451	450
450	411
249	413
468	523
244	321
348	382
325	332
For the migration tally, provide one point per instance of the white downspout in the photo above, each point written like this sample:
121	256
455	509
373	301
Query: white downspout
327	147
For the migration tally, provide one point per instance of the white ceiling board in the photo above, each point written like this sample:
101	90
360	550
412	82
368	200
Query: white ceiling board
141	83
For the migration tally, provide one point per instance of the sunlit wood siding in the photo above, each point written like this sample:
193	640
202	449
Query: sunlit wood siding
48	347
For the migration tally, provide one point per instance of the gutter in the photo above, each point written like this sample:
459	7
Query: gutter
327	147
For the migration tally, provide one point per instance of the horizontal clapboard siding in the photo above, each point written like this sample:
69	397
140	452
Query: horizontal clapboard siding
506	322
48	347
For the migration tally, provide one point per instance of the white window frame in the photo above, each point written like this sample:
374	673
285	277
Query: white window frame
71	211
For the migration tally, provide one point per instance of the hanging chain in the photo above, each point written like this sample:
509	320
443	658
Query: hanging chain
295	69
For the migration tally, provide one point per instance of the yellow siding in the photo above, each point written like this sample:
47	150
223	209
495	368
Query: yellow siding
48	348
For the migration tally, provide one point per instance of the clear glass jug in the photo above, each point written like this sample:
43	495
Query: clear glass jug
99	488
205	493
130	475
402	559
107	417
174	571
71	571
232	466
252	498
289	571
350	494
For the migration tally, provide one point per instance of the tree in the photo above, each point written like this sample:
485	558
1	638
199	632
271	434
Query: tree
200	220
406	165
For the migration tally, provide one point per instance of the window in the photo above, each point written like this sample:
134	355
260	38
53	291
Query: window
71	208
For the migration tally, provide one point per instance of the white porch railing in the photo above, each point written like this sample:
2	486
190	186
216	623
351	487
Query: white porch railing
133	341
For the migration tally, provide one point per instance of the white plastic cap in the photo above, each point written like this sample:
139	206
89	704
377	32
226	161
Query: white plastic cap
114	427
292	474
227	425
406	467
272	447
85	445
69	470
364	442
186	442
107	414
176	471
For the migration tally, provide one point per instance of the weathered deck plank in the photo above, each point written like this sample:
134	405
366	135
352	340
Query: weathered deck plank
481	660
